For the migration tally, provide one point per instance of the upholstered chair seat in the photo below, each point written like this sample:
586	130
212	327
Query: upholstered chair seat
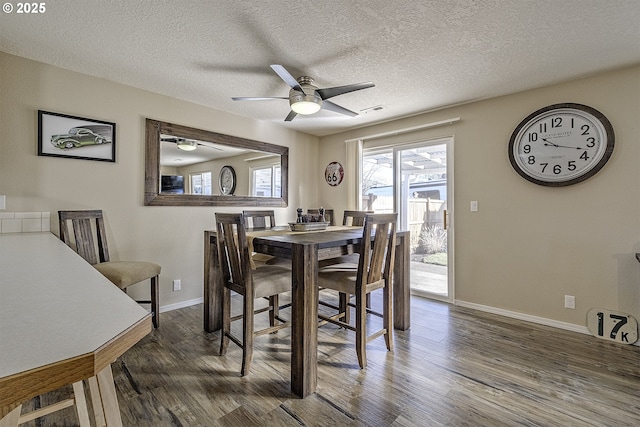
126	273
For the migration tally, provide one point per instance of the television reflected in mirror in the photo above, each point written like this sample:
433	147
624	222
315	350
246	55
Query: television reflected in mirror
183	167
173	184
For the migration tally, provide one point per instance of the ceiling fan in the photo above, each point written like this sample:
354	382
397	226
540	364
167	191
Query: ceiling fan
306	98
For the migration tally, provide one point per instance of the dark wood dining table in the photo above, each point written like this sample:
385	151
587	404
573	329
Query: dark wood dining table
305	249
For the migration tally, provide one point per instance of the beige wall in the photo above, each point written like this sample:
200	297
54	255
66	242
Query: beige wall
529	245
523	251
170	236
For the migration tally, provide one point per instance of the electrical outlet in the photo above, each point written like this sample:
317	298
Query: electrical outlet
569	301
177	285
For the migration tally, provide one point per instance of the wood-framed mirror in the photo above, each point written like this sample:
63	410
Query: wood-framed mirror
185	166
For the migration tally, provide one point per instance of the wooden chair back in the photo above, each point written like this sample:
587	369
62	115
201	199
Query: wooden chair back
355	218
88	237
233	252
377	255
258	219
328	215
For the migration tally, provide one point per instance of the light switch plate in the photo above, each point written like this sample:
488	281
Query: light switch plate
474	206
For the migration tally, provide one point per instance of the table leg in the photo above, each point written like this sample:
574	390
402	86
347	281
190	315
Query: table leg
304	322
81	404
109	398
96	401
402	285
11	419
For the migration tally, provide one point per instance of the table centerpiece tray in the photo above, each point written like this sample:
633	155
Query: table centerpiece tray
308	226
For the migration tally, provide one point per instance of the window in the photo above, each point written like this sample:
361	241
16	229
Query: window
265	181
200	183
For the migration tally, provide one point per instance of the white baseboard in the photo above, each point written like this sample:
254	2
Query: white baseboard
529	318
499	311
181	304
526	317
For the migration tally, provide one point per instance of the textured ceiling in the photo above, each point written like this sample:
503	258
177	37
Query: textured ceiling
421	55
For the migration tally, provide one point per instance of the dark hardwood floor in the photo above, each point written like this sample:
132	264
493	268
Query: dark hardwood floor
454	367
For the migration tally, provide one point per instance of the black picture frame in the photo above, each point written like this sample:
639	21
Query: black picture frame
62	135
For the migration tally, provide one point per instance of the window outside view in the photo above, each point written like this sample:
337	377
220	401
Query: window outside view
423	195
266	181
201	183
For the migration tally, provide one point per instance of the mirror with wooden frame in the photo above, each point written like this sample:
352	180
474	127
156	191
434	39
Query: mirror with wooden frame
185	166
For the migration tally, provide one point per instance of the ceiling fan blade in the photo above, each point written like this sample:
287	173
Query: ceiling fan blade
287	77
211	145
257	98
330	92
291	115
328	105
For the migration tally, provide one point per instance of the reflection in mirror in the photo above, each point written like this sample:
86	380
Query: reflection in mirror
187	166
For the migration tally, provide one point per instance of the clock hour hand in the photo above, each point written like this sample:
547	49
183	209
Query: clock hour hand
547	142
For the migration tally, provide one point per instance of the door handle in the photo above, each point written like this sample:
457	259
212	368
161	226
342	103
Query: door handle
445	219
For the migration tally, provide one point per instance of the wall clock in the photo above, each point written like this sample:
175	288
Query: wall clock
334	173
227	181
561	144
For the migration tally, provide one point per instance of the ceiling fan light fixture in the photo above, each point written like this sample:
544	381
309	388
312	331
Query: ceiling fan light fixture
305	104
187	145
305	107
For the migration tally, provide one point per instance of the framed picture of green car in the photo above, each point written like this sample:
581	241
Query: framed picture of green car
61	135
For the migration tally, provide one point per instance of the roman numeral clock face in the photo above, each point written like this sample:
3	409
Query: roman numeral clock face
561	144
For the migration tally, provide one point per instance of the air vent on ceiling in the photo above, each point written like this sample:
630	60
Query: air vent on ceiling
372	109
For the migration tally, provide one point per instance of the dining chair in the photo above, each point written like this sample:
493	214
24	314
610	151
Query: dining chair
355	219
264	219
259	219
375	269
238	276
328	215
90	242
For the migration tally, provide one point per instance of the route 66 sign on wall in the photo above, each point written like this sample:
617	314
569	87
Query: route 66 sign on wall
334	173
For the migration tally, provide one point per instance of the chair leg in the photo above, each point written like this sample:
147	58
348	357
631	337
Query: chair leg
226	321
361	329
155	302
274	311
343	306
387	315
247	335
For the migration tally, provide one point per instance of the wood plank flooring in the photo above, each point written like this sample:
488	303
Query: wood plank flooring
454	367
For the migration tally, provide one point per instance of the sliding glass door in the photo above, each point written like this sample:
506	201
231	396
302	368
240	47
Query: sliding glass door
413	180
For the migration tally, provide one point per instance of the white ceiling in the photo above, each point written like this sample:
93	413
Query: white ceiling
421	55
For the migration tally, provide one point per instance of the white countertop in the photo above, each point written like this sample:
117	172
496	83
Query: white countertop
53	304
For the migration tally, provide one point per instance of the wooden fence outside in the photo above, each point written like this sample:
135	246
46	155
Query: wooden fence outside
429	212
